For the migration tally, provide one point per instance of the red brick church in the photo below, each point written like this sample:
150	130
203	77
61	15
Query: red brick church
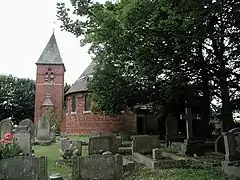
77	118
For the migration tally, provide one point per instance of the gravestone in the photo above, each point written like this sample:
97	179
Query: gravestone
232	152
43	132
30	125
5	127
100	167
95	134
105	143
53	133
145	144
171	124
22	136
24	168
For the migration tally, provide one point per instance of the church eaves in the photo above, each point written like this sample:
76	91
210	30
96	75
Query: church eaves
51	54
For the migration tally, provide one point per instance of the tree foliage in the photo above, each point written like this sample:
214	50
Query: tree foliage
160	51
17	97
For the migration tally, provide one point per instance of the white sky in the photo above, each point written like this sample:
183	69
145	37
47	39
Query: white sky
26	27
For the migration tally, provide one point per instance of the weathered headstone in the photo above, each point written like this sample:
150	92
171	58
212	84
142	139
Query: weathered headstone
105	143
145	144
94	134
22	136
65	144
43	131
24	167
5	127
100	167
30	125
171	124
53	133
232	148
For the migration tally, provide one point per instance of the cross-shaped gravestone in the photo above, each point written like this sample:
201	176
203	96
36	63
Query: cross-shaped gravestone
189	117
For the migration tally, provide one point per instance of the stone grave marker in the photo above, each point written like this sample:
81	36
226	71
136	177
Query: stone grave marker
145	144
65	144
22	136
171	124
24	167
232	156
100	167
105	143
94	134
43	132
30	125
53	133
5	127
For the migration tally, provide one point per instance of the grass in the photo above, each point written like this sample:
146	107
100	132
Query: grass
193	172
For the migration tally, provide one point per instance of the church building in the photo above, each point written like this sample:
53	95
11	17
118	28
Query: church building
49	81
77	118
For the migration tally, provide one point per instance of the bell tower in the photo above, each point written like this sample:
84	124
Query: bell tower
49	81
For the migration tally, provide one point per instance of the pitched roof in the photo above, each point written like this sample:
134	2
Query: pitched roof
51	54
81	83
48	101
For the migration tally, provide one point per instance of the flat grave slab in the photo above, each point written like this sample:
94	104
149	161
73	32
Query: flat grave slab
166	161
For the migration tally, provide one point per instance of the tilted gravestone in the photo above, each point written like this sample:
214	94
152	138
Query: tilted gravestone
232	152
101	167
24	167
30	125
5	127
22	137
43	131
105	143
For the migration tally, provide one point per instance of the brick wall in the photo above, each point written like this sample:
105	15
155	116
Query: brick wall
81	122
55	89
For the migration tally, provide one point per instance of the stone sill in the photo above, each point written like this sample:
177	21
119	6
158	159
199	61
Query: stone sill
74	112
86	112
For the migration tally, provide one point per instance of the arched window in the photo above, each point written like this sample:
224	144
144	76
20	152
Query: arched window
46	77
52	77
74	103
87	103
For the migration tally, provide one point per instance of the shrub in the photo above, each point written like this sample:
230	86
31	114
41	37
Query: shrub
9	148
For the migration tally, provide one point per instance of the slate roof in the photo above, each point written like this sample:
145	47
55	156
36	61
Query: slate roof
81	83
48	102
51	54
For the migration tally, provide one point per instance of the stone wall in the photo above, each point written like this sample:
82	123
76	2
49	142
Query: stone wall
83	122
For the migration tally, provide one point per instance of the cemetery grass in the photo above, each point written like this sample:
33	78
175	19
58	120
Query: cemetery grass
52	153
193	172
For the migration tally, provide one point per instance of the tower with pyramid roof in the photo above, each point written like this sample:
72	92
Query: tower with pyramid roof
49	92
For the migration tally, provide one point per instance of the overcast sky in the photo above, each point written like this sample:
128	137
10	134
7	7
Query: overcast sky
26	26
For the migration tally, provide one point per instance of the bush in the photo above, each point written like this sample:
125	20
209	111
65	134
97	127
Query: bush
9	148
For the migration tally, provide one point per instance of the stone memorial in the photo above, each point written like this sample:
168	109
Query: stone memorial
43	131
22	136
24	168
232	156
94	134
30	125
105	143
171	124
100	167
53	133
5	127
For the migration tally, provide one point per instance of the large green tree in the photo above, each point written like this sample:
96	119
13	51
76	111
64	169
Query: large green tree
160	51
17	97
